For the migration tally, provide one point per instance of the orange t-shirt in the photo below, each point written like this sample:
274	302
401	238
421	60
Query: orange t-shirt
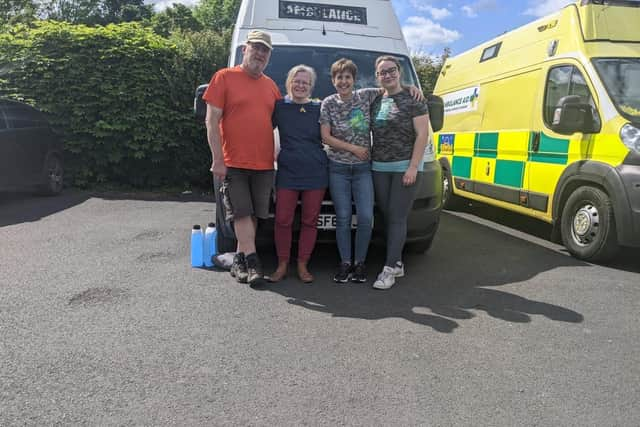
247	105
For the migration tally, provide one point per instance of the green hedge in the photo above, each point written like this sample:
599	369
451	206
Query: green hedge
120	96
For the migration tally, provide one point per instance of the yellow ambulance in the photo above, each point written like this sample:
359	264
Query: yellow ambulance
545	121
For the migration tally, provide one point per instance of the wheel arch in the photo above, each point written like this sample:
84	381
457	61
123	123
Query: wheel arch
599	175
444	162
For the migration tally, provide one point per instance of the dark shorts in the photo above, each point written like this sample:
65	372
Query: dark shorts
247	192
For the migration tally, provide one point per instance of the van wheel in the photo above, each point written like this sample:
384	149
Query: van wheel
449	200
588	225
53	176
224	244
419	247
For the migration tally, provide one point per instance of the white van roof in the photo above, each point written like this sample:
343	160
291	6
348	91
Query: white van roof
324	22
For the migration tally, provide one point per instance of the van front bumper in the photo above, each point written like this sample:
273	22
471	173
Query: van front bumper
424	216
628	220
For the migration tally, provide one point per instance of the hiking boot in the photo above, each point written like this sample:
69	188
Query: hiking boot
239	268
254	270
343	274
386	278
359	273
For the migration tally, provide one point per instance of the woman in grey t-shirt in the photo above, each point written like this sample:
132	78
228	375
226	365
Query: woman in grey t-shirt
345	120
400	127
344	125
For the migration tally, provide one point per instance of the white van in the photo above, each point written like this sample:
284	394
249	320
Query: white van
318	34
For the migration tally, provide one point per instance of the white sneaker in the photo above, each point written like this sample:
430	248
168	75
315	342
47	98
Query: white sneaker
386	279
398	269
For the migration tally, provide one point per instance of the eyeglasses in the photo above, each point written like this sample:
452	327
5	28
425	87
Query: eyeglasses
389	71
259	47
301	83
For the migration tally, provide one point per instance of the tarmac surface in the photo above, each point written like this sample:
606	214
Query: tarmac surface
104	322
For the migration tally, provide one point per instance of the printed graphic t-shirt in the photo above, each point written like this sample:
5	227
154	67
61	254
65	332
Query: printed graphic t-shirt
349	121
247	106
393	133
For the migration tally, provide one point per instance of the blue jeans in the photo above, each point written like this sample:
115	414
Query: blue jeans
352	182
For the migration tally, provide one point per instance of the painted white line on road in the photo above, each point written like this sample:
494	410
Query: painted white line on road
512	232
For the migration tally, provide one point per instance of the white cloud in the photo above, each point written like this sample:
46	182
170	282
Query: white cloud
546	7
469	11
422	33
439	14
436	13
472	9
159	5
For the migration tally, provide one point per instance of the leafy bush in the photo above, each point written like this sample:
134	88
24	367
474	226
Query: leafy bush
120	96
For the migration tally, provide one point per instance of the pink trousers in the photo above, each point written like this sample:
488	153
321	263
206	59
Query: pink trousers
286	201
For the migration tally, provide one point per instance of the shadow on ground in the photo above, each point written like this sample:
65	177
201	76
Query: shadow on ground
626	260
457	278
18	208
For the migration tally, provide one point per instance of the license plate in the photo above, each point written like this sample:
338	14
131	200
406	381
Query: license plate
328	222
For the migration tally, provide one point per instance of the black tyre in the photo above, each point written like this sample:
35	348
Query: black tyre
449	200
588	225
225	236
418	247
53	176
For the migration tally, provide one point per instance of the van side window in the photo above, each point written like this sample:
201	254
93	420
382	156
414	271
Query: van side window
562	81
490	52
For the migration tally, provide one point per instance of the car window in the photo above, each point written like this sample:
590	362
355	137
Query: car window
23	116
563	81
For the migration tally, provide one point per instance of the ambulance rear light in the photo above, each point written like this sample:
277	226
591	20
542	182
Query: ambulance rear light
630	136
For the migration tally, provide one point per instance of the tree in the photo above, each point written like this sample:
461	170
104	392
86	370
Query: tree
178	17
428	68
96	12
17	11
217	15
72	11
125	10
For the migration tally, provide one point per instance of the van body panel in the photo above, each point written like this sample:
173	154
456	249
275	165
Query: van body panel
502	103
616	24
379	19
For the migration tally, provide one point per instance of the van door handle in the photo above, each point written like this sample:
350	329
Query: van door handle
535	144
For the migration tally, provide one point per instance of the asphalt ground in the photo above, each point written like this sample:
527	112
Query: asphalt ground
104	322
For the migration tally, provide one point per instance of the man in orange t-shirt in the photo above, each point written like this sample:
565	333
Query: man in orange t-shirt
240	103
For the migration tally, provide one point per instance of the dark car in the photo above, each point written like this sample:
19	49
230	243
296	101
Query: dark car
30	153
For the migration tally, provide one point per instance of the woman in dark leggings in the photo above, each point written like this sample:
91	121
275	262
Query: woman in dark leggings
400	127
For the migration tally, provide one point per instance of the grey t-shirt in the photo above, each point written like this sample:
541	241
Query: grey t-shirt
393	133
349	121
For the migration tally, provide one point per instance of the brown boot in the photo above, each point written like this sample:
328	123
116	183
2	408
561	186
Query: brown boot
303	273
280	273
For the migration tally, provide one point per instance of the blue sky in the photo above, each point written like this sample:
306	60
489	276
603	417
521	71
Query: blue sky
431	25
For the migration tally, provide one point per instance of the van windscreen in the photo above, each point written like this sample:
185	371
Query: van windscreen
284	58
621	77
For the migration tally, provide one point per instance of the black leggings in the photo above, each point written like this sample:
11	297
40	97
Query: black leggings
394	201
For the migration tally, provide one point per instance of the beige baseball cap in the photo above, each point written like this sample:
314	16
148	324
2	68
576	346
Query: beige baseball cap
257	36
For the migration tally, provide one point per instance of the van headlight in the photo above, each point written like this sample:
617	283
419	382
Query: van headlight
630	136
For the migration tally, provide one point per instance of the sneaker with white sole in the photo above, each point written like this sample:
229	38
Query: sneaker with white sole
398	269
386	278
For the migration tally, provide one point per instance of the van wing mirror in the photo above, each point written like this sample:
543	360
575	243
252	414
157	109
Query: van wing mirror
199	106
436	112
572	115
